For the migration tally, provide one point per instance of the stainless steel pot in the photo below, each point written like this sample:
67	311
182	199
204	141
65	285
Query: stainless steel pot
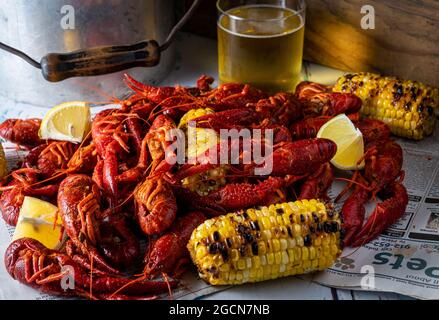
40	27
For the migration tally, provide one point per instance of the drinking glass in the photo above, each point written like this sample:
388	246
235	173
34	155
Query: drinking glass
261	42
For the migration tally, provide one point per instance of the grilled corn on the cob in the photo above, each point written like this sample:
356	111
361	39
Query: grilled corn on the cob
408	107
204	139
267	243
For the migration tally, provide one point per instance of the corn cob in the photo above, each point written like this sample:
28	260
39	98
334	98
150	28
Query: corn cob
213	179
267	243
408	107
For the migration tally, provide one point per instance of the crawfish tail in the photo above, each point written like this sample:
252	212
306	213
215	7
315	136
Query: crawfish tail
374	130
170	248
300	157
244	195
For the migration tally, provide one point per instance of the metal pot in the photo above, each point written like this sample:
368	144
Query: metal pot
39	27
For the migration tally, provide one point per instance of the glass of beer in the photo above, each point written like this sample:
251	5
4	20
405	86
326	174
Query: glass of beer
260	42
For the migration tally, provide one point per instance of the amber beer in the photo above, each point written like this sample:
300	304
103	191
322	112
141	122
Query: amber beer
261	45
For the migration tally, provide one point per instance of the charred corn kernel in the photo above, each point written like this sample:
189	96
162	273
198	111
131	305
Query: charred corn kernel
270	252
393	100
200	140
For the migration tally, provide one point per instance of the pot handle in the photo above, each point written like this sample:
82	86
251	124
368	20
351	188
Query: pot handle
100	60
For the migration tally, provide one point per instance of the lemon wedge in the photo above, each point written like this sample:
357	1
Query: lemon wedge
3	165
36	221
68	121
349	140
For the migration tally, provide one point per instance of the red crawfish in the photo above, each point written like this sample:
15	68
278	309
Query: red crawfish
79	208
175	101
31	263
373	130
156	206
233	196
300	157
115	143
158	141
281	109
171	101
325	102
316	186
23	183
385	213
383	167
168	253
21	132
309	128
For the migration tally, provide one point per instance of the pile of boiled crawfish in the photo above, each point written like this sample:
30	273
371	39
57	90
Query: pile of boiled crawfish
118	189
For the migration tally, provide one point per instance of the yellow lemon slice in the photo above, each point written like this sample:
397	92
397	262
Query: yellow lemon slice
349	140
36	221
68	121
3	165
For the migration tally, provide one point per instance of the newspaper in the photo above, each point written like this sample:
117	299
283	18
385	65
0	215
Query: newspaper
405	259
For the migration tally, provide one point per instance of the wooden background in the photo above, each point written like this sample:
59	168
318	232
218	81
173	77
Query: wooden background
405	42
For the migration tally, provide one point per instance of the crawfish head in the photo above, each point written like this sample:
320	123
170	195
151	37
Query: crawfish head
159	143
79	208
21	132
306	90
383	163
31	263
84	160
234	96
156	206
107	126
12	196
118	243
55	156
78	203
11	201
282	108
